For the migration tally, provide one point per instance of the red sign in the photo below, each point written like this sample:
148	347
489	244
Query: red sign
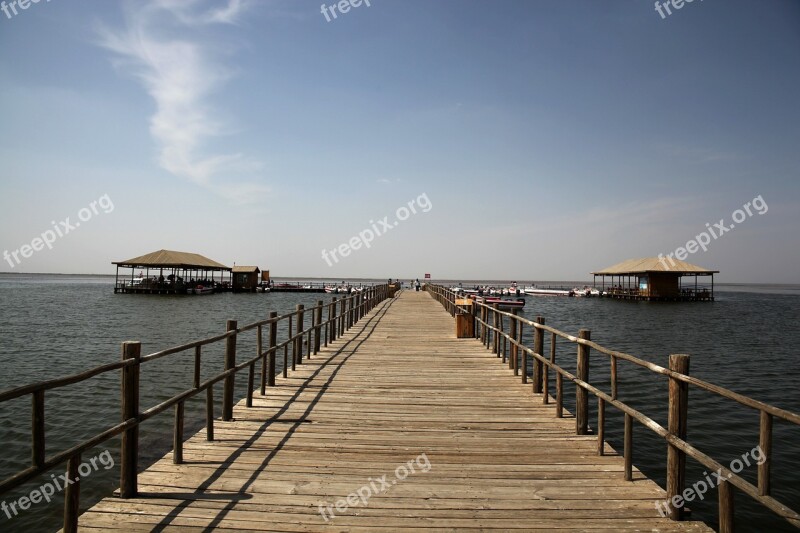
427	276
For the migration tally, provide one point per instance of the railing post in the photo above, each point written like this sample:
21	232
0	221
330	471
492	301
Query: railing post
725	493
230	362
129	454
473	309
581	394
538	347
297	347
512	359
601	426
177	435
273	341
484	329
350	301
627	451
37	429
496	323
72	495
677	424
332	320
342	316
765	443
318	322
210	413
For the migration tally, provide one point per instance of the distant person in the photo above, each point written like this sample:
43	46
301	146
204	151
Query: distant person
416	284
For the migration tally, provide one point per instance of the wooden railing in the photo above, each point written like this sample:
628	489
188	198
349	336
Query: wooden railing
342	314
490	329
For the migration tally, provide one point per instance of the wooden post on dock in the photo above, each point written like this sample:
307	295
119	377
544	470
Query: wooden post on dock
228	383
484	319
129	454
725	497
342	316
538	347
765	442
273	341
677	425
297	349
318	323
473	309
495	336
512	360
581	394
37	429
332	320
350	302
177	435
72	494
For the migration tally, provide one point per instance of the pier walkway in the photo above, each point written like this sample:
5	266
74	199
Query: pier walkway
461	442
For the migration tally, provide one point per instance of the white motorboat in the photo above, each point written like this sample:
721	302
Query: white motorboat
536	291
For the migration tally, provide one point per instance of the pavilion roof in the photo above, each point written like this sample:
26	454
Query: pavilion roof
653	264
172	259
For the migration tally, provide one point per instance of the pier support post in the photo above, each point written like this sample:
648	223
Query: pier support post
230	362
581	394
677	425
129	454
538	347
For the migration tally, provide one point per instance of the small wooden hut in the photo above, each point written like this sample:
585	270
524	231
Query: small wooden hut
657	279
245	278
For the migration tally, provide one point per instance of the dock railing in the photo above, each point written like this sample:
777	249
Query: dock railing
506	342
342	314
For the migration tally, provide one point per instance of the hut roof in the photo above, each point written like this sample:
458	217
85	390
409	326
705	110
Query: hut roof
246	269
170	259
653	264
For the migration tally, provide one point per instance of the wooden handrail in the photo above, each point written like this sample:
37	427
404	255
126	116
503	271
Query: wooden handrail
359	303
675	435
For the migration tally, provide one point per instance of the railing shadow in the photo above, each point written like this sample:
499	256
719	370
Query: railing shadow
347	350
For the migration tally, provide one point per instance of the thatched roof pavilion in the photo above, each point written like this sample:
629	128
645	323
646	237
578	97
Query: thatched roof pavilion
653	278
184	270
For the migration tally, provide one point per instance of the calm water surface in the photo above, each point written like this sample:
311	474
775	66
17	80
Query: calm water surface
51	326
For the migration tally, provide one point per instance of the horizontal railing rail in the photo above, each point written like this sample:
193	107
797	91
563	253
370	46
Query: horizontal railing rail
489	327
301	342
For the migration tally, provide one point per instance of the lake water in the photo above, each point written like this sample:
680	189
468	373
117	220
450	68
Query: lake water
52	326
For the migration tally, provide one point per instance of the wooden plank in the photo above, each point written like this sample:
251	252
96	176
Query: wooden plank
397	390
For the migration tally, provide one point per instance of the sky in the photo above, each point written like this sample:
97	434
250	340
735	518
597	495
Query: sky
511	139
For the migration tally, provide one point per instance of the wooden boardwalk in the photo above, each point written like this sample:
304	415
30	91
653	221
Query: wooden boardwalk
396	386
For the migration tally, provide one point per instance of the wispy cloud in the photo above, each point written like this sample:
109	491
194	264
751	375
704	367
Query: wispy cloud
161	46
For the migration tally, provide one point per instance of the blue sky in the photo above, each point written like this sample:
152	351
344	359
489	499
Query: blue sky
552	138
